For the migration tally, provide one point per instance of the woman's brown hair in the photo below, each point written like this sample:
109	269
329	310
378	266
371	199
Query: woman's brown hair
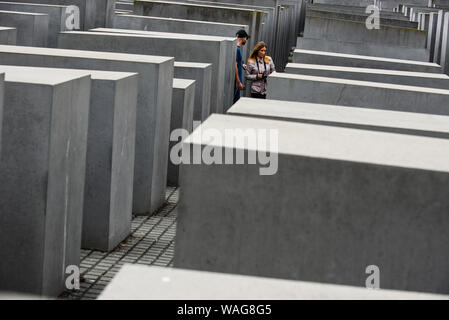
256	50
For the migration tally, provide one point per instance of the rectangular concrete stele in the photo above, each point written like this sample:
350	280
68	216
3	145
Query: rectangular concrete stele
444	61
363	48
2	95
132	283
162	24
342	30
348	183
8	36
420	79
57	16
42	171
32	28
213	13
292	87
153	107
230	47
106	219
93	13
185	47
350	60
431	35
349	117
181	118
202	74
109	181
438	37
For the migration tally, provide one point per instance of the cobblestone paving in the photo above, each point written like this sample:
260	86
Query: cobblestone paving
151	243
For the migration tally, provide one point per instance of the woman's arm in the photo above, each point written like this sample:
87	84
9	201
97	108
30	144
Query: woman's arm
272	67
249	72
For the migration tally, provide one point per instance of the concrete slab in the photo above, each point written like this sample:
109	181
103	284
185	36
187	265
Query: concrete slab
351	31
348	183
93	13
419	79
292	87
57	16
431	35
358	61
181	118
106	219
132	283
2	99
202	74
438	37
213	13
153	107
42	178
444	61
32	28
230	47
189	48
360	16
8	36
363	48
162	24
349	117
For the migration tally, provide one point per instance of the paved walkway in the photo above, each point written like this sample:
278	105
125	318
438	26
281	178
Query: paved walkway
151	243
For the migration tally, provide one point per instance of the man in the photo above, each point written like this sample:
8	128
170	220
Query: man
242	37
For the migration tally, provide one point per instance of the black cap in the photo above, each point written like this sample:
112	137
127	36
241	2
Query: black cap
242	34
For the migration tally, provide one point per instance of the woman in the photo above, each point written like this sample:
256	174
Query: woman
259	67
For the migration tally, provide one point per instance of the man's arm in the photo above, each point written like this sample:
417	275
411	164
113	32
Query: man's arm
237	78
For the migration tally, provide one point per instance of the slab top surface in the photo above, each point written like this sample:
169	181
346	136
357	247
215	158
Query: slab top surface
341	114
368	70
156	34
185	20
158	283
84	54
182	83
354	56
95	74
328	142
36	76
358	83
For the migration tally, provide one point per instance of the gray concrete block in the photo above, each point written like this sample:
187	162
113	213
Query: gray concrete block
356	190
363	48
349	117
431	35
184	47
42	173
153	107
2	99
57	16
8	36
351	31
132	283
292	87
181	118
438	36
230	47
162	24
110	160
32	28
252	18
93	13
444	61
358	61
202	74
361	16
419	79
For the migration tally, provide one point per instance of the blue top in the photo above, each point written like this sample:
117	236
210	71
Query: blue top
239	61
